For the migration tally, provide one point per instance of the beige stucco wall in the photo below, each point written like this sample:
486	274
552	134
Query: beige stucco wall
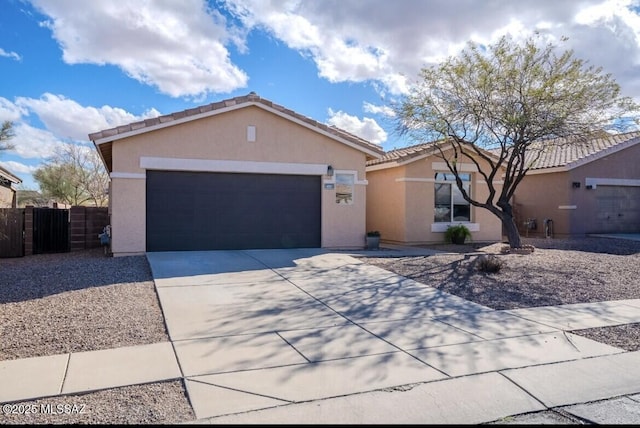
6	197
128	216
224	137
552	195
544	196
385	197
401	204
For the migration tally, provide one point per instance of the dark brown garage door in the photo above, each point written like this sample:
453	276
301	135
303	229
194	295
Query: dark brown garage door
223	211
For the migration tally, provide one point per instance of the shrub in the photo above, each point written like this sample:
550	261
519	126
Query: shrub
457	234
373	233
489	264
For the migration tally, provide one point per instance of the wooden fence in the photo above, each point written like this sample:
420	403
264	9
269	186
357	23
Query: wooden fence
31	230
11	232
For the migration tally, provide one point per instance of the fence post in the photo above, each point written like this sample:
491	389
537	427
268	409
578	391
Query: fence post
78	214
28	230
96	218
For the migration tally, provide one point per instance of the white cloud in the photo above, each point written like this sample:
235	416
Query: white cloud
176	46
18	167
339	55
382	110
10	55
65	121
366	128
181	47
68	119
30	142
9	111
388	42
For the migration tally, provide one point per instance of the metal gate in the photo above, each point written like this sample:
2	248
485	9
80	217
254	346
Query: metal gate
50	230
11	232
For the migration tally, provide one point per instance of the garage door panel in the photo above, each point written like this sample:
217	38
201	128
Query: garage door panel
200	211
618	209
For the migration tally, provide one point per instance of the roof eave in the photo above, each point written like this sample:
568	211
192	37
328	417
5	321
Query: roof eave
602	153
9	176
392	163
587	159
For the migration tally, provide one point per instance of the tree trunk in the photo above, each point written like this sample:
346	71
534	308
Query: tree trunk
509	224
512	231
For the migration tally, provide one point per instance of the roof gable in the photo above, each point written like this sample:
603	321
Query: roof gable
105	138
403	156
568	153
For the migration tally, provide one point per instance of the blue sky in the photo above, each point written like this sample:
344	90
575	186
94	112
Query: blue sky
72	67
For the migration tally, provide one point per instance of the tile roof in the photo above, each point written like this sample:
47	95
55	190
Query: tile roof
572	152
407	154
404	154
252	98
6	174
562	152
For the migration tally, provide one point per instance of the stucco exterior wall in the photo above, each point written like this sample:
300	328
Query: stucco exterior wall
401	200
225	137
620	166
6	197
545	196
128	216
573	209
386	198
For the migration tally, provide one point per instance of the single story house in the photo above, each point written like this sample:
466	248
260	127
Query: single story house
7	189
412	197
582	186
235	174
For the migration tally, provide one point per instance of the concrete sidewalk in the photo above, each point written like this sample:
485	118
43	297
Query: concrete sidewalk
309	336
31	378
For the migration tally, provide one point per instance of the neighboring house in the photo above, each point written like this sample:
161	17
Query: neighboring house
7	190
235	174
412	198
583	187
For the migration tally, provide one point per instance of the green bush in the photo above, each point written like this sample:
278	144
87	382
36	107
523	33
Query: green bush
457	234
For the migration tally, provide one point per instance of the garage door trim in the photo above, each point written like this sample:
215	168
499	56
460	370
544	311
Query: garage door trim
215	165
594	182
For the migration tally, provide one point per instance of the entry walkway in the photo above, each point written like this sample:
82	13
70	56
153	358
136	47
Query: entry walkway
308	336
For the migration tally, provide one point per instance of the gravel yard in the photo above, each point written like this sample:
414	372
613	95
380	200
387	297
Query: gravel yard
81	301
60	303
559	271
84	301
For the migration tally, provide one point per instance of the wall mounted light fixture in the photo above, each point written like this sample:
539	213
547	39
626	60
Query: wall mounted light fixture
329	171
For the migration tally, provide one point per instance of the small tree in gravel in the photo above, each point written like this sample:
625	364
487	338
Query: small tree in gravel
504	104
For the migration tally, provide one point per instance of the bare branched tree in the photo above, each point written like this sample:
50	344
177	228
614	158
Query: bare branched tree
502	105
75	175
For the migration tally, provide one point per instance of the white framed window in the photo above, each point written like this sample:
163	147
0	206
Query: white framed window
449	205
344	188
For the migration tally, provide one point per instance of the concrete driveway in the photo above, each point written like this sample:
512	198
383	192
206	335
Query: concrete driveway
260	329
